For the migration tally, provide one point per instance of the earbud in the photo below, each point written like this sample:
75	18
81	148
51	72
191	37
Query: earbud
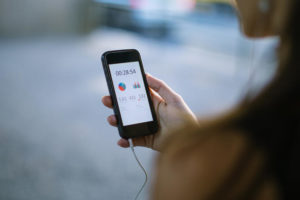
264	6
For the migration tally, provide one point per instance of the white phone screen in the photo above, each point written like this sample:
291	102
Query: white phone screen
131	93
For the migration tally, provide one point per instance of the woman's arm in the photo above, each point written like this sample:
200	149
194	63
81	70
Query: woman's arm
220	166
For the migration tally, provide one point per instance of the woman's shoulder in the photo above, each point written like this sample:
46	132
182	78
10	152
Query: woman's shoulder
205	142
215	164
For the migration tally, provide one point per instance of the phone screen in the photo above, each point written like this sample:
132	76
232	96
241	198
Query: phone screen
131	93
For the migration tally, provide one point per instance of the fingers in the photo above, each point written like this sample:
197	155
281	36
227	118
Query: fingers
106	100
139	141
112	120
123	143
155	98
162	89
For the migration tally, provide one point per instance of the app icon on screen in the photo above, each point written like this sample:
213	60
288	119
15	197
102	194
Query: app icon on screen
136	85
122	86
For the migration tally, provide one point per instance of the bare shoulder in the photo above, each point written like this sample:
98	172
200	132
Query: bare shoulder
220	163
213	147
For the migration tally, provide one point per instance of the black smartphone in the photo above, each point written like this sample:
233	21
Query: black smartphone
130	93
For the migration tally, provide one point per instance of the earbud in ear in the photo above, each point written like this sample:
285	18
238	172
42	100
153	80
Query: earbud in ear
264	6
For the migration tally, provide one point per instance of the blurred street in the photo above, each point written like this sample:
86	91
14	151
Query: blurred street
55	142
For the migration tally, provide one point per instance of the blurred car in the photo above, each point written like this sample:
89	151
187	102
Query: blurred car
217	6
150	17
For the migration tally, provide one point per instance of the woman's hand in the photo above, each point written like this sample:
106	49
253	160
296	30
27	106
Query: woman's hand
171	112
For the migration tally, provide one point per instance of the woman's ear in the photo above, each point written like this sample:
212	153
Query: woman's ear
280	15
262	26
265	15
256	17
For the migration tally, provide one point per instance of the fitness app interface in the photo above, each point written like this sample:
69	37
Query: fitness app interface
131	93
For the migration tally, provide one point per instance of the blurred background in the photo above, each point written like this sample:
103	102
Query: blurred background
55	142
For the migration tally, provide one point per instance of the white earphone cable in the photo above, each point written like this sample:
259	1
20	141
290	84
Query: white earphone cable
141	166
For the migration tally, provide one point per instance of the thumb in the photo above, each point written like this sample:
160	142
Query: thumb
161	88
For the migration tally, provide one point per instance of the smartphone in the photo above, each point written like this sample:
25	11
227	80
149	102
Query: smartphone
130	93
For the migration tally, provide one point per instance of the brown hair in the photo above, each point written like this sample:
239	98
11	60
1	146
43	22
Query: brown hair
272	119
